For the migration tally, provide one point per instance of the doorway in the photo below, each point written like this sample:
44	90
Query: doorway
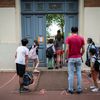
34	16
55	23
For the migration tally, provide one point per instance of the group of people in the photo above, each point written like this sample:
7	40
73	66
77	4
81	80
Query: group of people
75	48
54	51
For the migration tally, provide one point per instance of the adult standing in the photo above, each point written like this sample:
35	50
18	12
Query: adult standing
75	49
59	49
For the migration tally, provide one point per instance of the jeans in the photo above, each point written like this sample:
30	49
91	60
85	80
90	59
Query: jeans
74	63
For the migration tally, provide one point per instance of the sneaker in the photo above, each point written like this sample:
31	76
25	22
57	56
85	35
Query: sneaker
50	67
23	90
92	87
71	92
95	90
35	70
79	92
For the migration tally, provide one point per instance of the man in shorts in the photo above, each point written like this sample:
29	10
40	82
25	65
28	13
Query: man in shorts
21	60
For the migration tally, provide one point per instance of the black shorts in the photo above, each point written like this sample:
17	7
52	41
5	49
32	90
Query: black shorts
20	69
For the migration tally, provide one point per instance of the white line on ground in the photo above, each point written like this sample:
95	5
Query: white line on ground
8	82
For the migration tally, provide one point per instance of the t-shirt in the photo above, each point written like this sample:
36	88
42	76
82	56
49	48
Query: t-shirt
22	51
75	43
59	44
33	53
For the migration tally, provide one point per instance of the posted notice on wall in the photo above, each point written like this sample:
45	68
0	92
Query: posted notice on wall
40	39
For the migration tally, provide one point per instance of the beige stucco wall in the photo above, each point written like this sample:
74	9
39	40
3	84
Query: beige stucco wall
8	42
7	25
92	23
10	36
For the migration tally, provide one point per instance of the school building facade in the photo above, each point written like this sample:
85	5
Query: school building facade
26	18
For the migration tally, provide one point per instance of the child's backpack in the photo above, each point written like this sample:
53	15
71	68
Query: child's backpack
87	62
32	53
28	78
97	64
49	52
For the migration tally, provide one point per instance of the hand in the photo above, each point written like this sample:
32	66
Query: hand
66	60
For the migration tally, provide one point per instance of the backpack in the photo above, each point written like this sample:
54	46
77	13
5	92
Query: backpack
49	52
96	48
96	64
32	53
27	78
87	62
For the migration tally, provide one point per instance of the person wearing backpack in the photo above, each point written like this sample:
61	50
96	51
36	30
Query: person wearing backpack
91	44
50	51
94	65
33	55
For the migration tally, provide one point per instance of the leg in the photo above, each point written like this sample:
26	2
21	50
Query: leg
94	77
21	82
79	75
58	60
70	74
20	72
37	63
99	75
50	63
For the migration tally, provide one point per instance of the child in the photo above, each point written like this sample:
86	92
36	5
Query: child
50	51
21	60
94	73
33	54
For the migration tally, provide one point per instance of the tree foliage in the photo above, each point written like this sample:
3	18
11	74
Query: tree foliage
55	18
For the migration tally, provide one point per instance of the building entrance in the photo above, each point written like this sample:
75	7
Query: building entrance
34	16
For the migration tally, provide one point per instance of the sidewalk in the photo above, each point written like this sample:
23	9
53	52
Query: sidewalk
8	91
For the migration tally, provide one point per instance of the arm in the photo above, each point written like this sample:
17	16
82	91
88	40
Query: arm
82	50
92	66
26	58
26	61
67	50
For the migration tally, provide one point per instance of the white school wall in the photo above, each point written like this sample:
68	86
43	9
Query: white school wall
10	36
7	38
92	23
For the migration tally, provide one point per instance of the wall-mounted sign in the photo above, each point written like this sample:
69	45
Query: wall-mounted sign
40	39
